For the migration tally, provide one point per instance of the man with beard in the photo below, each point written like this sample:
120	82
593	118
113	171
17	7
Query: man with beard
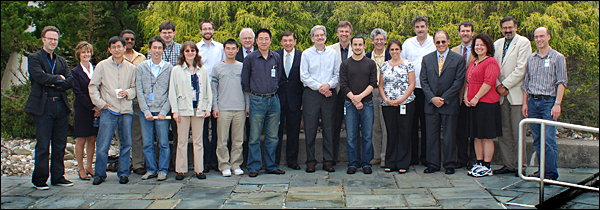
512	53
212	53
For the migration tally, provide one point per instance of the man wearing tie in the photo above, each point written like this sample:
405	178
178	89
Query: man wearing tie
442	77
290	97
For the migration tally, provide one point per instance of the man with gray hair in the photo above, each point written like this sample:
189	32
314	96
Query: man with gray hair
247	41
319	72
379	55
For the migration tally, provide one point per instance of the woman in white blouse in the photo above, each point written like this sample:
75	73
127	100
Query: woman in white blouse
396	86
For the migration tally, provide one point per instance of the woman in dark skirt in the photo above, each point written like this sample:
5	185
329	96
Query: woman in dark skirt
396	86
481	98
85	111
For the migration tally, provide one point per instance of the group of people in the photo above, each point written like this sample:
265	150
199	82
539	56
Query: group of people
477	91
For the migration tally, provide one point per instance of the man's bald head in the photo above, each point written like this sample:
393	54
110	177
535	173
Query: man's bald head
543	28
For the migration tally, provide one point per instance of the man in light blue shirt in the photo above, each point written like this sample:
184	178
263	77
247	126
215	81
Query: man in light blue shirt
319	71
212	53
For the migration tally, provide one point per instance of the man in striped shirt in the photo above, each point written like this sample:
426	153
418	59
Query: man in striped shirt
543	90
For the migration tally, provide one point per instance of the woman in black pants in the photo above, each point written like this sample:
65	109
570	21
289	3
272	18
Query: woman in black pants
396	86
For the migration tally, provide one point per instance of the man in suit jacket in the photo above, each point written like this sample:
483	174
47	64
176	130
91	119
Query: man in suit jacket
290	97
247	41
48	104
442	77
512	52
465	149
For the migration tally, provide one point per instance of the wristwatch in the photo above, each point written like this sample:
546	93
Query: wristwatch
557	102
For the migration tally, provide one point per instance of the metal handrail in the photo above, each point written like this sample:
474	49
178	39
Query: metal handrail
542	159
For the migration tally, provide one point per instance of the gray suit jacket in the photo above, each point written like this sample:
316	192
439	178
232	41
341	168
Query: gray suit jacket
447	85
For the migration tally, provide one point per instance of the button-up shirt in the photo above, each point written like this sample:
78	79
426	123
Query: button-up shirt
155	69
344	52
211	54
445	55
319	67
170	54
137	58
256	73
285	53
414	52
468	49
544	74
245	53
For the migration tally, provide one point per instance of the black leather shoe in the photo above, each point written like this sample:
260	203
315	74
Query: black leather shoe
179	176
201	176
449	171
503	170
276	171
206	169
123	180
429	170
253	174
98	180
367	170
351	170
295	167
216	168
310	168
140	171
328	167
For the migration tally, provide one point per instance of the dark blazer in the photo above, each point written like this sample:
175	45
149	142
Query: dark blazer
291	89
41	77
240	55
80	88
387	55
447	85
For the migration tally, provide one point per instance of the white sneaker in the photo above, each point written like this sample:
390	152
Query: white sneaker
474	168
238	171
226	172
162	176
482	171
149	175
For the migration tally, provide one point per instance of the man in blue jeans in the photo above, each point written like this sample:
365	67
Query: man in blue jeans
543	89
112	88
261	74
358	78
152	84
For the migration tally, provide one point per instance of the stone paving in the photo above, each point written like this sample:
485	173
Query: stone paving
296	189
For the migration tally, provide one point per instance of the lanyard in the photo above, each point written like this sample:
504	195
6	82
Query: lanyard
51	66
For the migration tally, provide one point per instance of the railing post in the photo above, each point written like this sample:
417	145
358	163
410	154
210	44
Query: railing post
542	161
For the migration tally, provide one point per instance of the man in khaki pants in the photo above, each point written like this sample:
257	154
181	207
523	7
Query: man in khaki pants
230	107
512	52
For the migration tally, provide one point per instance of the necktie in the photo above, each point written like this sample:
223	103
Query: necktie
441	63
464	54
247	52
505	48
288	64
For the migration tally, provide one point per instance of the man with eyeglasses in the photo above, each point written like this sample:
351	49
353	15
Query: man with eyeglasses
48	104
247	42
261	77
113	88
212	53
137	156
512	53
167	33
380	55
414	49
442	77
319	72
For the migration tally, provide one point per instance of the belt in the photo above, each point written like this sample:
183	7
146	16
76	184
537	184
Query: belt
268	95
539	97
332	89
54	98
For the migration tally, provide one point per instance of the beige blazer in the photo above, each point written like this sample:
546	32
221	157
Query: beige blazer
338	49
471	58
512	68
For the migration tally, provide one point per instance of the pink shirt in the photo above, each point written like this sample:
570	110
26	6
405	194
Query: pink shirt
485	72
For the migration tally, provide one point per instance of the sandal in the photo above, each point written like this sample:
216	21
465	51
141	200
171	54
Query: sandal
389	169
402	171
87	178
88	173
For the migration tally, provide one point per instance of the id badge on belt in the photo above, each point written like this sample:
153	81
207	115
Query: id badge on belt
402	109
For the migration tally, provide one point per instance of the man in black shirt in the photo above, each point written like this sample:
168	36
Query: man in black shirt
358	78
48	104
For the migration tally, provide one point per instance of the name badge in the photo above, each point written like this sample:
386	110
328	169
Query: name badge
151	97
546	63
402	109
194	95
344	111
273	72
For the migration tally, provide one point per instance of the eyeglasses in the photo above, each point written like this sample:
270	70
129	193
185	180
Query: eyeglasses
441	42
51	39
190	51
319	35
263	39
115	47
207	29
379	40
247	38
508	28
129	39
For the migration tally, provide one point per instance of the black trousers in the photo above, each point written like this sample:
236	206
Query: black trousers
338	118
314	104
398	150
210	147
51	131
465	147
290	121
419	145
435	145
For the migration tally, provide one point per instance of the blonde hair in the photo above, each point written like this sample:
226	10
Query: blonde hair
82	46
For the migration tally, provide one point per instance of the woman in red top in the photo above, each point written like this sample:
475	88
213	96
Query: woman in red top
483	114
